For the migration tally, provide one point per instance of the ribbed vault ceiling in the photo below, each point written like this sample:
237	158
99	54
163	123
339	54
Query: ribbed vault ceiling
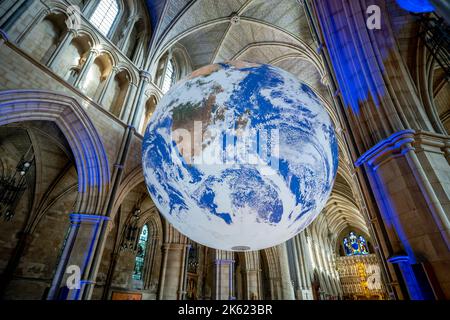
206	29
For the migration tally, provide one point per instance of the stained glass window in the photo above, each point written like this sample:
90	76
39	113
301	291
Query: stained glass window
355	245
140	255
104	15
168	77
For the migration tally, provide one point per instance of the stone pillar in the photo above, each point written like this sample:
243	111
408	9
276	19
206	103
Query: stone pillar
223	275
253	284
307	266
185	269
414	288
85	69
139	101
78	251
407	173
107	86
9	6
318	263
400	148
294	266
60	50
128	104
330	267
324	274
15	16
309	270
286	284
172	269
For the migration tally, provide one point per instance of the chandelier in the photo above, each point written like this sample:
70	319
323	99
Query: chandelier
129	241
13	185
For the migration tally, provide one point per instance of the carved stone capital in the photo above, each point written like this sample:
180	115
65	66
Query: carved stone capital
145	75
397	144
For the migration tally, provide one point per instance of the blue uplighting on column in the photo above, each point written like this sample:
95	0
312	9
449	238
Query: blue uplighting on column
416	6
396	144
395	141
77	218
415	289
359	79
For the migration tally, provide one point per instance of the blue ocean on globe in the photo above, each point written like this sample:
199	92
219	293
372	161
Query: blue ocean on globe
240	156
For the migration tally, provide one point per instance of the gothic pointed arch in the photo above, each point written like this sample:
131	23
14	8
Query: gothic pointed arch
87	147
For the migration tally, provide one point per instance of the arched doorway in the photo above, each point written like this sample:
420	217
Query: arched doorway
79	164
34	225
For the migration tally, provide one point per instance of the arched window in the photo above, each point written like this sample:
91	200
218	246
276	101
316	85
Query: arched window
355	245
104	15
168	77
140	256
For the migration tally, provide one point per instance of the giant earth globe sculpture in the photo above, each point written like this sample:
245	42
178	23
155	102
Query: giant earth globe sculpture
240	156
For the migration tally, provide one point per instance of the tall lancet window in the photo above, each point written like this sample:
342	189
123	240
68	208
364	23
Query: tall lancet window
141	251
355	245
104	15
168	77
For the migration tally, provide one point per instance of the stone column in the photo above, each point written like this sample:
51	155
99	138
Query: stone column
294	266
139	101
405	171
414	289
253	284
78	251
15	16
162	275
128	104
107	86
185	269
306	266
223	275
85	69
324	274
330	268
9	7
60	50
172	268
286	284
317	262
400	148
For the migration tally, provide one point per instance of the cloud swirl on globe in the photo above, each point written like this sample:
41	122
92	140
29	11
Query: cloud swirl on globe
240	156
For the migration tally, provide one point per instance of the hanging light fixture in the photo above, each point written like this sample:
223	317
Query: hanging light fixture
13	185
129	241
